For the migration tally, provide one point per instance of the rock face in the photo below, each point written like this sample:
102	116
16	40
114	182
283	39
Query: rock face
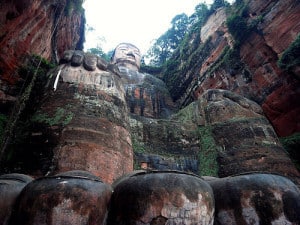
256	199
213	24
146	95
250	70
45	28
86	113
76	197
161	198
107	118
11	186
244	139
165	144
151	197
220	134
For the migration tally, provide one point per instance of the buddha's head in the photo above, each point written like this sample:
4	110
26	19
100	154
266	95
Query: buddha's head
127	55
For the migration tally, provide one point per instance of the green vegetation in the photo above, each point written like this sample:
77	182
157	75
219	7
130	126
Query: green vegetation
239	29
163	47
75	5
291	56
237	26
230	61
199	55
291	145
138	146
36	64
136	166
153	70
174	70
179	35
61	116
189	50
226	58
99	52
208	154
185	115
32	72
240	7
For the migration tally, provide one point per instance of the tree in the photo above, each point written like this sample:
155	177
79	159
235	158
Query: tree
159	52
96	51
169	41
201	11
218	4
178	30
237	26
199	16
99	52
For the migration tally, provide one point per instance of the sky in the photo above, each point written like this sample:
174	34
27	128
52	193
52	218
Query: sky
138	22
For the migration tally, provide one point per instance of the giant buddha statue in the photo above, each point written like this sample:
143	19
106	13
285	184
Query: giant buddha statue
127	55
146	95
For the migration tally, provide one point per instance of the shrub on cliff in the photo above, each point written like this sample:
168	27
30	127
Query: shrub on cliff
34	73
237	26
291	56
75	5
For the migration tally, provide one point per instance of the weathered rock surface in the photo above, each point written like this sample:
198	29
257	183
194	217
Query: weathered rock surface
11	186
161	198
146	95
83	121
244	139
45	28
256	199
165	144
213	24
74	197
252	70
149	197
86	113
220	134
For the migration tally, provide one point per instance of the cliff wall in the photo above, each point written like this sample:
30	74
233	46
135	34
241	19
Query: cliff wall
248	66
45	28
217	60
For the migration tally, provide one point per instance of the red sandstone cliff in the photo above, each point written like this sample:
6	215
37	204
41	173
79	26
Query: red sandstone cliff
253	71
46	28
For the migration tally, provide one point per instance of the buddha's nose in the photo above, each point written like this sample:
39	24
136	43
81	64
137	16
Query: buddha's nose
130	53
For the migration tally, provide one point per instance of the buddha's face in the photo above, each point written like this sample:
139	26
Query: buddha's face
127	53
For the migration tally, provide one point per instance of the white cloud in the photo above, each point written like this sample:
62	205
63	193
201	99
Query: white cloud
135	21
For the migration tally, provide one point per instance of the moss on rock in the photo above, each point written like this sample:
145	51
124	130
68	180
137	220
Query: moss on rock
208	153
